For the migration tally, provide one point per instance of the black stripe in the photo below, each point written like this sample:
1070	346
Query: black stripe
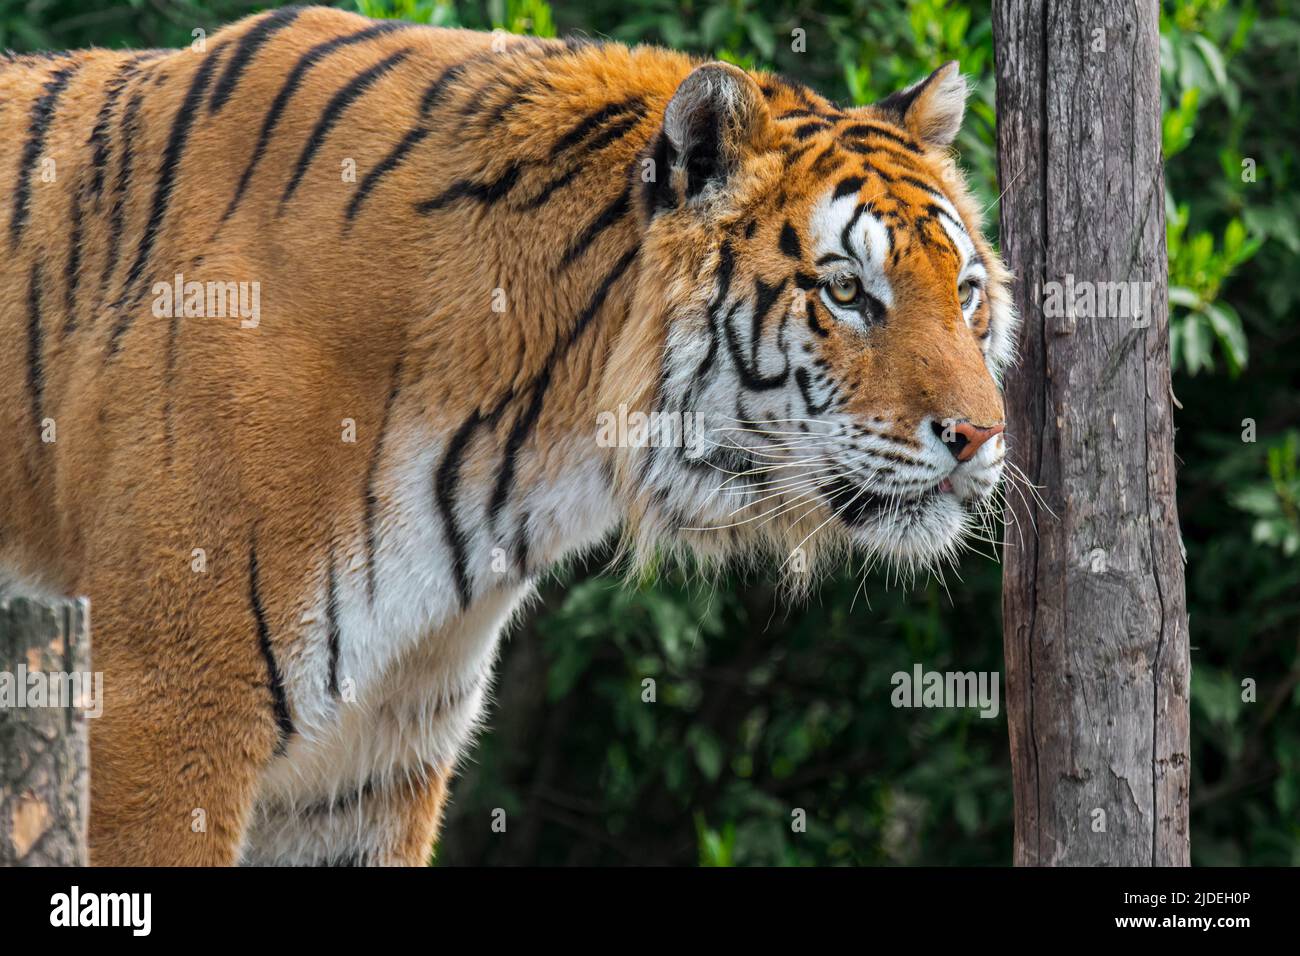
808	130
793	154
274	680
598	298
607	135
485	193
162	195
130	128
827	162
698	381
872	149
559	182
612	132
42	115
339	102
726	268
291	84
445	490
594	120
813	322
475	100
438	87
765	297
519	433
847	232
249	44
937	211
922	185
849	186
35	345
383	167
611	214
72	271
521	544
861	130
750	375
804	382
517	92
99	141
525	423
332	635
790	244
372	500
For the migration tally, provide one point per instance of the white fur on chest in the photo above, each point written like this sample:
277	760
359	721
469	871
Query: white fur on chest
420	711
413	668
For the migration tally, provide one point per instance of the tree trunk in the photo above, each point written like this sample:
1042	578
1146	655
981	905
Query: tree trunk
1094	612
43	739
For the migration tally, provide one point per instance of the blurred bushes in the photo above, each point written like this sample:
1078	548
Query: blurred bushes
765	714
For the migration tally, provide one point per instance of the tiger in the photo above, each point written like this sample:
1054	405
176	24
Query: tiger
312	325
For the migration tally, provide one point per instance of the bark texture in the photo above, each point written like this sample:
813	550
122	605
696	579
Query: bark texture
1095	619
44	749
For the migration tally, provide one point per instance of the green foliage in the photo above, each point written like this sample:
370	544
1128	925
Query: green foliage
62	24
1200	48
1196	271
437	13
761	710
1275	503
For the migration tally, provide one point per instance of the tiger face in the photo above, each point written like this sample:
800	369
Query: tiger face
832	318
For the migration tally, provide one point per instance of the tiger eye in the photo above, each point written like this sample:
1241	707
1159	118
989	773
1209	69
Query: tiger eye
966	292
845	289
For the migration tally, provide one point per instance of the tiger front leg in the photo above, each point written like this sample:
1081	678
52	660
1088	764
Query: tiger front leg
189	718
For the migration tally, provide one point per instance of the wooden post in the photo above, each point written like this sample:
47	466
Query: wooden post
1094	612
44	786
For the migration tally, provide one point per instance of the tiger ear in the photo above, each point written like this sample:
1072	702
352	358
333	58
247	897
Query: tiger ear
932	109
715	117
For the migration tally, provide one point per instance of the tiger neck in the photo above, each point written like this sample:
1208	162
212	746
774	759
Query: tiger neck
542	241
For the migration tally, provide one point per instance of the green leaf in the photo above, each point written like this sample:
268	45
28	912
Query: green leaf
708	752
1232	338
1213	59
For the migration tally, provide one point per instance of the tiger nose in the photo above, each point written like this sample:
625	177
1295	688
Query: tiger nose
964	439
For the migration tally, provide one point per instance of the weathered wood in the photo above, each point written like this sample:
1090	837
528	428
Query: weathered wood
1094	610
43	741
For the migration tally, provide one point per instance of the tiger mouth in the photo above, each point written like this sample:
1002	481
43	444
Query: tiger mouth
856	505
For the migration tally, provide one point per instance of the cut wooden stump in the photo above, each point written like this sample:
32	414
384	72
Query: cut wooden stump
45	690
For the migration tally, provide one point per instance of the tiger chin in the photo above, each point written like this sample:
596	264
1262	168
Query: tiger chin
303	535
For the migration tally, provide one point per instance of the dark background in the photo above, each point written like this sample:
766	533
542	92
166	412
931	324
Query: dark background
764	708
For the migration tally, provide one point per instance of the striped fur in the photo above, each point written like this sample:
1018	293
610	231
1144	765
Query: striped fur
304	527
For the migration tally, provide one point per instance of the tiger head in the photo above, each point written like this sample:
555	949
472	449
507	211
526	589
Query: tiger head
818	308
